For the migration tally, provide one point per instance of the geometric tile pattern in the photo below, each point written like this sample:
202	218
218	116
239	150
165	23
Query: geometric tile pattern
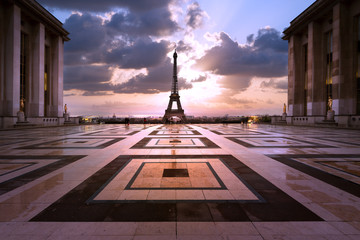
13	166
202	181
207	179
9	141
174	128
20	170
349	140
275	142
348	167
267	207
237	132
174	132
112	132
89	143
175	142
339	170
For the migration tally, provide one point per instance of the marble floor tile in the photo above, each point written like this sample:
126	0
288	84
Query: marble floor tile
200	181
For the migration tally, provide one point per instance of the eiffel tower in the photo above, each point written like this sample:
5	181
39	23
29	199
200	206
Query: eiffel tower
174	97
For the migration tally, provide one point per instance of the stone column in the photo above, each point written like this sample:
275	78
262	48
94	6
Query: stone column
343	101
316	82
12	30
291	77
295	84
56	86
37	78
2	57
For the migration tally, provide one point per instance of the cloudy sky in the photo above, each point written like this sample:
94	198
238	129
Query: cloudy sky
231	57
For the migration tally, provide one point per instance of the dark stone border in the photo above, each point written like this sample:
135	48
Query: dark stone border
333	139
17	169
337	169
326	177
304	132
194	132
188	128
251	133
276	206
104	145
142	143
20	140
248	145
94	134
25	178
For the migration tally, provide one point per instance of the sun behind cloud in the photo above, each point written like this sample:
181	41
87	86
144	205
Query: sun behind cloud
121	52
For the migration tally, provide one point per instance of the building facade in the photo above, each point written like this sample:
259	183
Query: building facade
31	65
324	64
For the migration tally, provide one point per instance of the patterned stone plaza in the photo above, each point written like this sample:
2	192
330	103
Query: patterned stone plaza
202	181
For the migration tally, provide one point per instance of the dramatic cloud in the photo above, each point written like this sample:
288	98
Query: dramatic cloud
280	85
264	56
275	84
94	48
94	80
201	78
250	39
181	46
142	53
195	16
87	40
157	80
96	93
153	22
86	32
90	43
126	108
227	97
235	82
87	78
261	60
105	5
269	39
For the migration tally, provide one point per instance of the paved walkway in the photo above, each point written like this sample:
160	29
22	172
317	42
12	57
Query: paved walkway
206	181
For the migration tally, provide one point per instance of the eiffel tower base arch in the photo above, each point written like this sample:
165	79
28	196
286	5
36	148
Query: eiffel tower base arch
179	112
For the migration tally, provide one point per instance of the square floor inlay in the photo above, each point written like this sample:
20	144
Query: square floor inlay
103	197
173	173
175	128
143	179
175	132
175	142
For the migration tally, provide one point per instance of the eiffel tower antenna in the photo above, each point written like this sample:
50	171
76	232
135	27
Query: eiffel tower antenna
174	97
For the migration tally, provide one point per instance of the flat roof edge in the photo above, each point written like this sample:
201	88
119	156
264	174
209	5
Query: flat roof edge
45	16
308	14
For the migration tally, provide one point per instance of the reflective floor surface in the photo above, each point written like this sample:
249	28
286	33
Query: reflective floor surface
202	181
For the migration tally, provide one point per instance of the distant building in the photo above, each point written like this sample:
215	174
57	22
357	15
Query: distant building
324	64
31	64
